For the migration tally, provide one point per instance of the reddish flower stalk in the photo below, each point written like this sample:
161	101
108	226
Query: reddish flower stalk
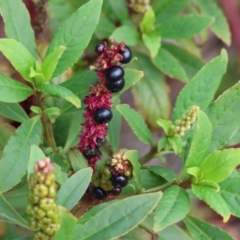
93	133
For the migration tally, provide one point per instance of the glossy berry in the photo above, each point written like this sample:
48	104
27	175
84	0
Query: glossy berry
91	152
117	86
115	191
127	55
119	181
102	115
99	48
114	73
98	193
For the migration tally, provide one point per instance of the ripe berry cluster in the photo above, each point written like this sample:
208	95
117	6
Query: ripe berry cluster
111	177
98	111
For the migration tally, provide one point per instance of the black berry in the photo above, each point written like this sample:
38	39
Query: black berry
115	191
101	142
127	55
119	181
99	48
114	74
102	115
116	86
98	193
91	152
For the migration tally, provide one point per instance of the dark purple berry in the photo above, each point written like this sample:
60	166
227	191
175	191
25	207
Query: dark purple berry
91	152
117	86
102	115
99	48
98	193
115	191
119	181
101	142
114	74
127	55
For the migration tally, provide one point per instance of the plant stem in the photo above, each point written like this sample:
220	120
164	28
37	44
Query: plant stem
47	125
148	156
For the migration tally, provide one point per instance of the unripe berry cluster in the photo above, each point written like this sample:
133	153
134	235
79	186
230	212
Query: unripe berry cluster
186	121
98	110
111	177
42	209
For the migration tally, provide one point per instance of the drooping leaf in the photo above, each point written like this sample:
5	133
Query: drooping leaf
131	211
128	33
13	164
153	42
8	213
18	55
220	26
132	156
213	199
189	62
200	142
219	113
75	34
151	93
173	207
201	89
61	92
78	161
136	122
13	111
163	172
74	188
13	91
220	164
169	65
17	23
67	225
51	61
183	26
203	231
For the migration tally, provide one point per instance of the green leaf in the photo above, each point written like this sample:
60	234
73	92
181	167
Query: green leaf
132	156
166	125
36	109
175	142
136	122
61	176
17	23
131	211
219	165
74	188
213	199
166	9
8	213
230	192
51	61
18	55
67	225
78	161
36	154
128	33
119	9
153	43
220	27
13	164
147	23
201	89
151	93
61	92
219	112
173	232
75	34
203	231
173	207
169	65
114	127
13	91
137	234
183	26
189	62
200	142
104	28
13	111
53	111
163	172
